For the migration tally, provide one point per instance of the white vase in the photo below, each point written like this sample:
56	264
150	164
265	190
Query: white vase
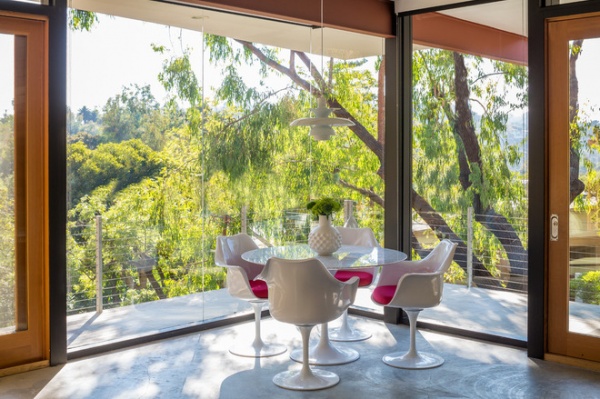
324	239
349	215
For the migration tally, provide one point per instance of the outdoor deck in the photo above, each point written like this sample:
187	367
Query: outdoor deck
481	310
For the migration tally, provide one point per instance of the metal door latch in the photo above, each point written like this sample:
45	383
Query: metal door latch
554	227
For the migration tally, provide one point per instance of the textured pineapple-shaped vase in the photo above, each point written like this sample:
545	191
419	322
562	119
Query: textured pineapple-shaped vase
324	239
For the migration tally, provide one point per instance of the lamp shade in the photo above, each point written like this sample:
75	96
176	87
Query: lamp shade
321	124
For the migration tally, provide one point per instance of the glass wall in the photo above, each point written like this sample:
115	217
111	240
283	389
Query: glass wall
469	161
584	263
7	186
178	135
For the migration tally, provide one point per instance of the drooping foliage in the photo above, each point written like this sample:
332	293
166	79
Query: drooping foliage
225	144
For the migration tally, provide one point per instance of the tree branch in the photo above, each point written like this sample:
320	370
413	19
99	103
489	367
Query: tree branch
358	129
372	195
291	73
436	222
255	110
482	276
487	75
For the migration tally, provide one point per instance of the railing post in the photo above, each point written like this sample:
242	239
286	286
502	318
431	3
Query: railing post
469	247
98	264
245	219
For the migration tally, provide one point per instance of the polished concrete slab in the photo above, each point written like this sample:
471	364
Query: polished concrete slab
199	365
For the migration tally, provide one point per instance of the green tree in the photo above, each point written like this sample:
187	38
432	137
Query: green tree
269	166
7	145
80	20
7	255
123	114
238	149
479	173
350	90
122	163
7	222
88	115
577	124
135	114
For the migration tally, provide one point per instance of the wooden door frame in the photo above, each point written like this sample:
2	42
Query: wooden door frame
561	342
29	346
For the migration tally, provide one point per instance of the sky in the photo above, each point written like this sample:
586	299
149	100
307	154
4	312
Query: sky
117	53
6	74
587	73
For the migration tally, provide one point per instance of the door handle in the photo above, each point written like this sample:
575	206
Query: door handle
554	227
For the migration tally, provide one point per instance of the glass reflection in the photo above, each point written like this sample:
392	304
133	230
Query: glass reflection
7	199
584	215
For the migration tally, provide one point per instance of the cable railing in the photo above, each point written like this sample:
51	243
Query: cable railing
491	250
111	267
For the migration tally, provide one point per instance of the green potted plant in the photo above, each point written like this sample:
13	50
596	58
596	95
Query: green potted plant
324	206
324	239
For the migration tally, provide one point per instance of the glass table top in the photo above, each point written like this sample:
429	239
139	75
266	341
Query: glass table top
345	257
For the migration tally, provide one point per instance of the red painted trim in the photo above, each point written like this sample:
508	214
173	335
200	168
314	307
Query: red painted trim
441	31
373	17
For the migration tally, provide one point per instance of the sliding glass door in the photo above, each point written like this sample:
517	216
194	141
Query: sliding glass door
23	187
574	237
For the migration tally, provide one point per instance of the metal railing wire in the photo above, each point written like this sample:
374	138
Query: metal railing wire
108	268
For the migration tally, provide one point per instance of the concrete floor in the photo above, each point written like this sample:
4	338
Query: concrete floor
200	366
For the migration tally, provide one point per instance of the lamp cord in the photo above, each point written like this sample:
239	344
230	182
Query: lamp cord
322	46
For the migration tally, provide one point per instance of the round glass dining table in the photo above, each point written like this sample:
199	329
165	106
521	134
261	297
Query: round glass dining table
348	256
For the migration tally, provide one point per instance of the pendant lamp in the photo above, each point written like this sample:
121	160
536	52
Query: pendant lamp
321	124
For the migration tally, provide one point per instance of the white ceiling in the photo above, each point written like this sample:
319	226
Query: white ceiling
337	43
507	15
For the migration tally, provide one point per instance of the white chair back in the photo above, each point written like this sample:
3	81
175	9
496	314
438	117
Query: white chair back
363	236
434	261
422	286
303	292
440	258
229	253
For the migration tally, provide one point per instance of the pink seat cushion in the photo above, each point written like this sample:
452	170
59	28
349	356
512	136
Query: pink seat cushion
383	294
259	288
365	278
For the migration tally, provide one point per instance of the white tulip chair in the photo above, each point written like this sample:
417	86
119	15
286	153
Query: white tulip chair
241	284
414	286
304	293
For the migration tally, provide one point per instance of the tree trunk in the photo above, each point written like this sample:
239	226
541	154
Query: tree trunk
157	288
381	103
481	276
577	185
495	223
469	152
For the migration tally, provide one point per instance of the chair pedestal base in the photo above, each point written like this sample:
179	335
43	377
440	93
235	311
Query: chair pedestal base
421	360
257	348
306	379
325	354
299	381
413	359
344	333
